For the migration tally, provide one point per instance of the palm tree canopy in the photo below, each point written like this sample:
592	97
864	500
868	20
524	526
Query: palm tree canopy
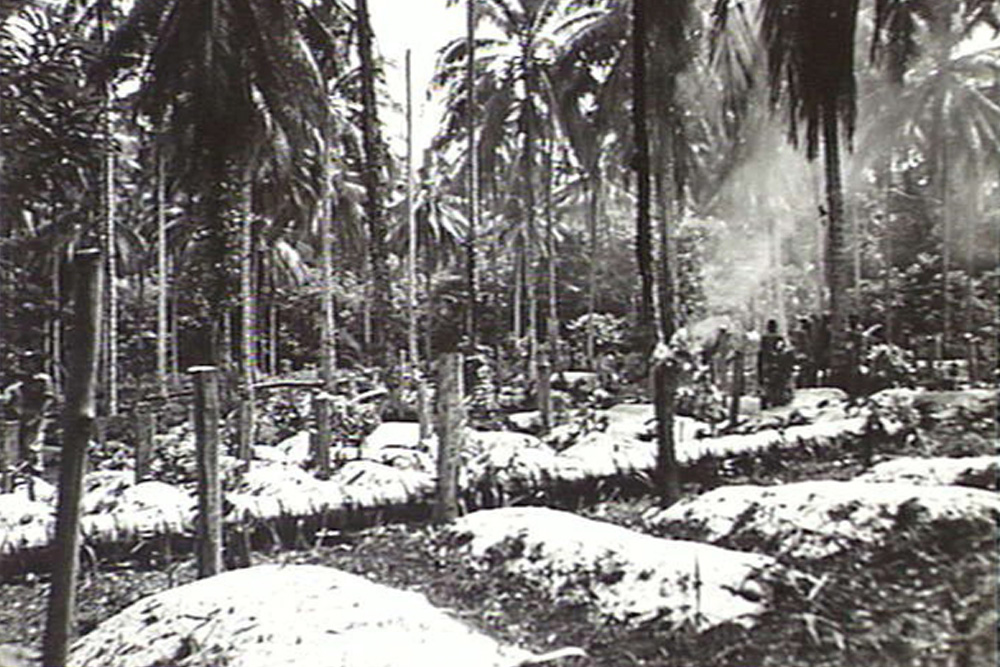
219	75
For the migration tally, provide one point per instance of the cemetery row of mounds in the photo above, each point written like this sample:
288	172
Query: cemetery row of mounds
797	542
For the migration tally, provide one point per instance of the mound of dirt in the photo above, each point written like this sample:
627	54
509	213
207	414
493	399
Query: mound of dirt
627	576
294	615
977	471
816	519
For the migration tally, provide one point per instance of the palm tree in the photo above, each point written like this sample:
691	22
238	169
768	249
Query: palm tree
514	88
374	161
943	107
219	77
809	48
49	155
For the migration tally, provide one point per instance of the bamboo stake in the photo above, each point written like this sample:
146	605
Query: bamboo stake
323	408
78	420
145	429
545	390
450	430
738	384
206	426
9	431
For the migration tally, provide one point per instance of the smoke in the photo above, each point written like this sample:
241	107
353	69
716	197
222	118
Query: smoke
769	215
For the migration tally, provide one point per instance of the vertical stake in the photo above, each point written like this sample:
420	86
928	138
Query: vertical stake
739	380
145	428
323	408
450	432
545	391
206	427
78	421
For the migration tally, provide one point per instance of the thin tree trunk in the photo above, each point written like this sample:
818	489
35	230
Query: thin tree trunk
643	238
946	224
272	337
970	255
552	330
373	163
531	233
471	313
518	288
248	324
108	231
838	267
593	186
56	337
888	295
111	266
327	322
411	268
162	333
175	347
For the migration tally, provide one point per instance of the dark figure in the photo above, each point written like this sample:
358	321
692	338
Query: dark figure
716	356
821	348
774	367
802	341
855	355
27	401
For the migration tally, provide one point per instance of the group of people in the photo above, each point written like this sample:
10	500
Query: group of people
800	360
805	360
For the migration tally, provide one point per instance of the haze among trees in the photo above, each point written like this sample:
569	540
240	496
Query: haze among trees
602	166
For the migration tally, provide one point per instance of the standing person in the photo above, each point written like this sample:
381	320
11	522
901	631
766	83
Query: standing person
27	400
717	356
802	341
821	348
856	354
773	366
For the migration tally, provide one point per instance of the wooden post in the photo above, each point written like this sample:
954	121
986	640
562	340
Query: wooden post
739	380
323	408
450	432
78	422
9	436
667	475
545	391
972	352
206	427
245	426
145	428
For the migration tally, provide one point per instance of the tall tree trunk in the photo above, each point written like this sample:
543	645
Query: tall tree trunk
888	294
838	265
109	231
946	233
472	307
373	163
552	330
416	373
531	231
640	162
518	319
55	357
248	323
969	299
593	185
162	276
327	322
664	301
